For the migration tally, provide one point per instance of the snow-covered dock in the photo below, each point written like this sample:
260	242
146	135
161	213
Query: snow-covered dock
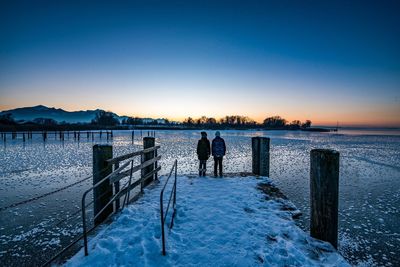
220	222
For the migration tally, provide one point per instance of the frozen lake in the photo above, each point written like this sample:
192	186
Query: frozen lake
369	230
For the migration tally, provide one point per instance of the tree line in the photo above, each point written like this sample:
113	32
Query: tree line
236	121
107	119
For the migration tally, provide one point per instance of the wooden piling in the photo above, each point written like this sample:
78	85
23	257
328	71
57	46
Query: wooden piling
324	195
147	143
102	194
260	155
133	136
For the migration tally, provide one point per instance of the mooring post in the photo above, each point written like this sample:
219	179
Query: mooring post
102	194
133	136
147	143
260	155
324	195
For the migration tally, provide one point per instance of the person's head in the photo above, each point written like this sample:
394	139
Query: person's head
203	135
217	133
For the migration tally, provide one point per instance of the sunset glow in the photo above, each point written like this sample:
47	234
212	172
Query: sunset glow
203	58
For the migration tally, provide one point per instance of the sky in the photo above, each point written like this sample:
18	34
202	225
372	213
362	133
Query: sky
327	61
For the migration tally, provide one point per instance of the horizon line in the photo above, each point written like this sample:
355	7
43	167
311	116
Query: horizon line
181	119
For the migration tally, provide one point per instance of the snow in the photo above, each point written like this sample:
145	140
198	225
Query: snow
223	222
369	176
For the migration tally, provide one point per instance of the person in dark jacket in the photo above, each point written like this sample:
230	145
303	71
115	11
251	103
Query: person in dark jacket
218	152
203	153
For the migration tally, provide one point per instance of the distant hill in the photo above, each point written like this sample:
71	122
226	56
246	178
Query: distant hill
59	115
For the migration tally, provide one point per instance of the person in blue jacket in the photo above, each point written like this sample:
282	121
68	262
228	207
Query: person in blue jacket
218	149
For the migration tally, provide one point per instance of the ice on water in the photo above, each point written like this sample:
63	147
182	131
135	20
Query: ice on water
369	185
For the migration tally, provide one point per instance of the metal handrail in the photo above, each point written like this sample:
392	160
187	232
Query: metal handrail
125	190
173	197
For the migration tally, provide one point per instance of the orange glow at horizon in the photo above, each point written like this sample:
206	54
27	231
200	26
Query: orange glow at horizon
374	118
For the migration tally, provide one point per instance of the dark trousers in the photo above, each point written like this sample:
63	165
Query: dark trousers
202	167
217	162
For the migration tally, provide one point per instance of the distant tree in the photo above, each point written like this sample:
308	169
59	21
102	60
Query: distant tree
306	124
134	121
45	121
275	122
188	121
211	121
105	118
7	119
295	125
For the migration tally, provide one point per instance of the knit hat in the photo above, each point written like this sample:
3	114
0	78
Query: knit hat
217	133
203	134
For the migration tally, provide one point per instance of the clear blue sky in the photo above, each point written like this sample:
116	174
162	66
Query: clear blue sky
326	61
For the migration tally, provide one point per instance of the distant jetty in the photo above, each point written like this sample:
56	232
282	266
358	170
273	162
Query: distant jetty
316	129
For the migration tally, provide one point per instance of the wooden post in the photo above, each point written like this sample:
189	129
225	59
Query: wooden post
324	195
102	194
260	155
133	136
147	143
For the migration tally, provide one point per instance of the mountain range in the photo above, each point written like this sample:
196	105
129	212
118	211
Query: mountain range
57	114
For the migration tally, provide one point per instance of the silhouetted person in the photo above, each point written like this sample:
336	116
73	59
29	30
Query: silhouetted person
203	153
218	151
